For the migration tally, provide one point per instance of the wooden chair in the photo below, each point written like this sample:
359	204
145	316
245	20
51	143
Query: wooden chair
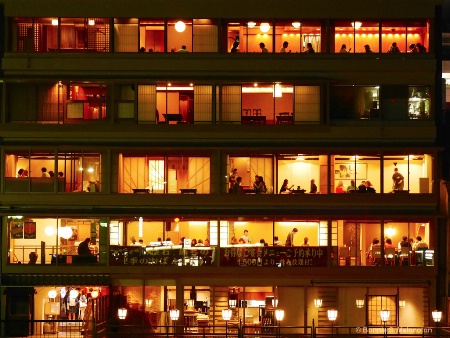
376	254
257	112
389	254
246	112
404	259
344	254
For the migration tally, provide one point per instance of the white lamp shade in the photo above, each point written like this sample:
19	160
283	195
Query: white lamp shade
52	294
332	315
437	316
226	314
54	22
402	303
264	27
91	22
49	230
296	24
174	314
180	26
122	312
360	303
73	294
148	302
251	24
318	302
279	314
384	315
94	294
357	24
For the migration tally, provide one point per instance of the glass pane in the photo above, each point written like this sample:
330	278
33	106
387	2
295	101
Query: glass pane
356	173
179	35
303	172
419	102
151	33
393	37
355	102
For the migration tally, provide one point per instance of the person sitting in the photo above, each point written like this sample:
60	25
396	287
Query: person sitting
284	188
344	49
241	241
367	48
420	48
234	240
369	187
44	172
206	242
83	248
183	49
263	48
313	187
262	189
305	242
388	243
340	188
309	48
276	241
200	243
404	243
20	172
362	187
237	186
393	48
419	244
351	187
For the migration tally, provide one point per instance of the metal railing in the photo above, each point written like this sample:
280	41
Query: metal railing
86	329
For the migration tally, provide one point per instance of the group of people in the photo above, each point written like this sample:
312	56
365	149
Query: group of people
24	173
74	307
365	186
410	243
235	181
245	239
309	48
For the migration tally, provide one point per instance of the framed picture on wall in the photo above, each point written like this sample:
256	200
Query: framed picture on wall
29	230
16	229
347	171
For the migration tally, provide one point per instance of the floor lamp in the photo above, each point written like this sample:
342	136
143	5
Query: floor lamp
332	316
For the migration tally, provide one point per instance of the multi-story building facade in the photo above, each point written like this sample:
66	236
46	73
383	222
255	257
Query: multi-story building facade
127	121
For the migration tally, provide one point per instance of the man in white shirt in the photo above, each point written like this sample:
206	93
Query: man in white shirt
246	237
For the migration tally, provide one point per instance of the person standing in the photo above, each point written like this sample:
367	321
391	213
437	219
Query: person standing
232	178
82	304
397	180
290	237
246	237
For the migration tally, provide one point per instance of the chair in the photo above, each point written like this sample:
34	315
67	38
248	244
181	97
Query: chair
344	254
389	254
376	254
404	256
257	112
246	112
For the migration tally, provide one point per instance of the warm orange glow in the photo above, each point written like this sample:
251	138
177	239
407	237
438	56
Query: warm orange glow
177	219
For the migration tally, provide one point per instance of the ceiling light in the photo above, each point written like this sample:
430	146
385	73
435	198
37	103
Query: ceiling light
91	22
356	24
180	26
264	27
251	24
296	24
54	22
